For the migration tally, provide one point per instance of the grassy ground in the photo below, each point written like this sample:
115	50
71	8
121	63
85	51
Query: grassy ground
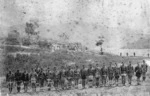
60	58
134	90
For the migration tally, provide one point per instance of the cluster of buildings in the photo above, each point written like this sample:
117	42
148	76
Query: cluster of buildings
76	46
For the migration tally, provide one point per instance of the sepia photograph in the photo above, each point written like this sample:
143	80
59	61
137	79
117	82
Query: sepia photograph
74	47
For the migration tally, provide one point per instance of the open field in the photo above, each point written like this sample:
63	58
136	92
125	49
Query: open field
63	57
134	90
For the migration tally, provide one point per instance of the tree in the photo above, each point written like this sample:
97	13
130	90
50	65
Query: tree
31	31
100	43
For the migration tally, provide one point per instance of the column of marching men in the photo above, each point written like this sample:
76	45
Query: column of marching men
69	77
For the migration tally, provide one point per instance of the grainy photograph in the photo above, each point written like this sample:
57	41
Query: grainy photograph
74	47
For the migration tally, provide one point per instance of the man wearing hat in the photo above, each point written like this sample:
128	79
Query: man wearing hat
130	72
104	74
144	70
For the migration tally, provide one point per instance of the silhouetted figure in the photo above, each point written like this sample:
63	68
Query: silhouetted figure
120	54
18	76
144	70
134	54
130	72
123	73
148	54
127	54
101	52
138	73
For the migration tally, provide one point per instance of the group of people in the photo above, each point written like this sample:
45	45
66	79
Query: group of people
68	77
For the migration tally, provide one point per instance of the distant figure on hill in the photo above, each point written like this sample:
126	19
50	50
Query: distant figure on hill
148	54
127	54
120	54
134	54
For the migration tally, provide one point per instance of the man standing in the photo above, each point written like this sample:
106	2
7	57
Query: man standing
144	70
90	73
138	72
49	79
62	78
10	80
76	75
104	74
18	76
56	78
130	72
123	73
69	74
97	75
25	76
33	79
83	76
110	74
117	73
42	78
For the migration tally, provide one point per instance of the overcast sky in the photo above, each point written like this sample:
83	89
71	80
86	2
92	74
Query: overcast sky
119	21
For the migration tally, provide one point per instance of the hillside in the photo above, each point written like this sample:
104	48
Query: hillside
142	43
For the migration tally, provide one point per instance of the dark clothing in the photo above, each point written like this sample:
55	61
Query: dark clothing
9	77
104	71
62	74
83	83
110	73
77	73
18	76
56	78
91	71
42	78
83	73
138	71
49	75
123	73
117	72
104	75
123	70
25	77
130	73
69	74
130	70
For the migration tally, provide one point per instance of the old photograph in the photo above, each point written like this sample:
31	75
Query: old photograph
74	47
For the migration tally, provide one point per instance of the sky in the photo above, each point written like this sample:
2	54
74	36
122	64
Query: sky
119	21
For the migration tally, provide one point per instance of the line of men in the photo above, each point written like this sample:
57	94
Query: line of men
69	77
